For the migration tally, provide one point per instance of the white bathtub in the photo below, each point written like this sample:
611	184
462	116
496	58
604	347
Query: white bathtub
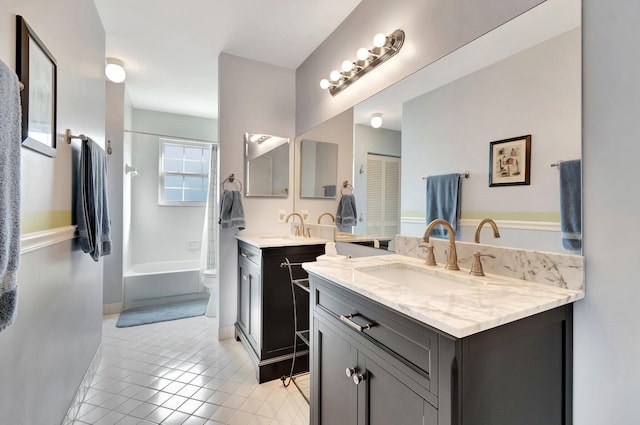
169	280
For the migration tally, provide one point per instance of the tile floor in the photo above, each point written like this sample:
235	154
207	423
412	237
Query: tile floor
179	373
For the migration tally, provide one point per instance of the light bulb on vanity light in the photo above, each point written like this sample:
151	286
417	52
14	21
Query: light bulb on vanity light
347	66
363	54
376	120
324	84
335	76
114	70
379	40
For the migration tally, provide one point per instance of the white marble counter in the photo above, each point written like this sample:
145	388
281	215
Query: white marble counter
487	302
276	240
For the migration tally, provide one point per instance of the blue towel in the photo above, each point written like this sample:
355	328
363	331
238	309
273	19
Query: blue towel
346	215
571	204
10	139
443	201
231	210
94	225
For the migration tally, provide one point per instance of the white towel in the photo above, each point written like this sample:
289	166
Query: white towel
10	139
94	225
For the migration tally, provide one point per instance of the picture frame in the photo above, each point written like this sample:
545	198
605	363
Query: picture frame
37	70
510	161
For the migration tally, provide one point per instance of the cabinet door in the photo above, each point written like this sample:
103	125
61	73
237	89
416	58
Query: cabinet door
334	392
249	301
384	400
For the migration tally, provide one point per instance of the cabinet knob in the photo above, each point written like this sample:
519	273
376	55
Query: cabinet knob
245	276
350	371
357	378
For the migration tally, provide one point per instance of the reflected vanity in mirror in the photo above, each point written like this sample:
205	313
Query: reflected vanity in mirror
266	162
318	169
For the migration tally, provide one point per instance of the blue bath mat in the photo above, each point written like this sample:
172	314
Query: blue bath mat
162	313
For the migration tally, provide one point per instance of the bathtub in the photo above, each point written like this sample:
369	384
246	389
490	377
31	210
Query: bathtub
147	283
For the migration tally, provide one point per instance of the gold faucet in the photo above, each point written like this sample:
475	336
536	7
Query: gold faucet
333	218
496	233
452	259
300	231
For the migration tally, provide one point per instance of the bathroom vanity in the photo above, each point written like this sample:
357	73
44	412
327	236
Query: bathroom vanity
392	343
265	320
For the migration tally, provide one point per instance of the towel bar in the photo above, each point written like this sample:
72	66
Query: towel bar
465	175
231	179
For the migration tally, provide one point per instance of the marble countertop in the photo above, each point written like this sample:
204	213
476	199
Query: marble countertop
276	240
478	303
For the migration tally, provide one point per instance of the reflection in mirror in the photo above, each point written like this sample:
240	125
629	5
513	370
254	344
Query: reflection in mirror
318	169
522	78
266	165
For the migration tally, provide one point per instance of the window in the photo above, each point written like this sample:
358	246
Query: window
184	172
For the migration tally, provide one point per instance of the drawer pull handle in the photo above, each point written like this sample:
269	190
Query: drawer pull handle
242	254
347	319
350	371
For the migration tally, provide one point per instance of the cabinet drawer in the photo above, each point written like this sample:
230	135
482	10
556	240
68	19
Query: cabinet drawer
250	253
407	340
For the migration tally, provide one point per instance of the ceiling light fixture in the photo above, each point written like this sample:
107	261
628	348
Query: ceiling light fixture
376	120
384	47
114	70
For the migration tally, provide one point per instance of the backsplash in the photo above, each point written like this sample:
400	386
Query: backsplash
549	268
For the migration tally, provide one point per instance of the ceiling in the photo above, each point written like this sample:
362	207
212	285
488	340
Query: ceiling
170	49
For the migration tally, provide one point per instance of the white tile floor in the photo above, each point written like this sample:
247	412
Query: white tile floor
179	373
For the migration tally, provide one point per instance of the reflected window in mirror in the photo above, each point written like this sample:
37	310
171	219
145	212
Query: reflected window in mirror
266	165
318	169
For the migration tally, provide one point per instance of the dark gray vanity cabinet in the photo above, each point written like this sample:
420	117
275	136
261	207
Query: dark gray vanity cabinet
265	322
373	365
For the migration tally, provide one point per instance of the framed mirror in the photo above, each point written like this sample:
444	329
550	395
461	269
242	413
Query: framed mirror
318	169
266	165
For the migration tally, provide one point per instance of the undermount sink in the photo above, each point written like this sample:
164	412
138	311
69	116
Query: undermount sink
419	279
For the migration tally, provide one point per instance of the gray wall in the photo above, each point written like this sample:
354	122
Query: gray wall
433	28
256	98
47	351
607	334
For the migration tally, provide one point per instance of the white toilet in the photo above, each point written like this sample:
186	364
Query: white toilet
210	281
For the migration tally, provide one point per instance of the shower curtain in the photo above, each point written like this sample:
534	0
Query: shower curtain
208	252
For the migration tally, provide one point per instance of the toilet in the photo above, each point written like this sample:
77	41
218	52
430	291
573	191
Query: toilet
209	281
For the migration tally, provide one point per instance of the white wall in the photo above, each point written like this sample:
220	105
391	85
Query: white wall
448	130
433	28
370	140
258	98
176	125
58	327
607	335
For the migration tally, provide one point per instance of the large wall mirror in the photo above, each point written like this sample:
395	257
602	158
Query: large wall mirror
318	169
266	165
522	78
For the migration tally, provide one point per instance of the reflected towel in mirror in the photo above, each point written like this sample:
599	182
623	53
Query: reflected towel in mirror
571	204
346	213
443	201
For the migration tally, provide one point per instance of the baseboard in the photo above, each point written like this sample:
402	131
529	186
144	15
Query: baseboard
73	410
115	308
226	333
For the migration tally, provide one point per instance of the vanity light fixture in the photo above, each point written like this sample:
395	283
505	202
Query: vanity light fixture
384	47
376	120
114	70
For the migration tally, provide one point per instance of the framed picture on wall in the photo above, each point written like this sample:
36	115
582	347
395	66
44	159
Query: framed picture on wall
510	161
37	70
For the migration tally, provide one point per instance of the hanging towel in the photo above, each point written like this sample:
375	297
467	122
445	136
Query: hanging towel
443	201
346	214
94	226
231	210
571	204
10	139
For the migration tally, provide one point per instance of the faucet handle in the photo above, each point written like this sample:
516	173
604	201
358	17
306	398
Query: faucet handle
476	267
430	259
